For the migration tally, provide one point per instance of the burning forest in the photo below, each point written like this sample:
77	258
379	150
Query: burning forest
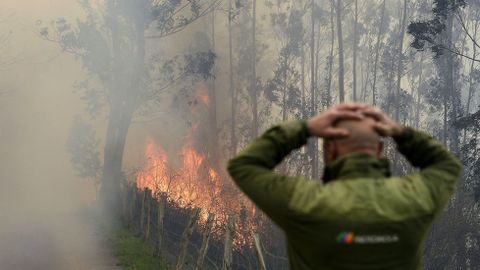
118	119
198	184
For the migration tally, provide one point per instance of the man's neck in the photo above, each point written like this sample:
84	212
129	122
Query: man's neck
357	165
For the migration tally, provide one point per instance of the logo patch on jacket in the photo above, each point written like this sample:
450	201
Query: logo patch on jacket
352	238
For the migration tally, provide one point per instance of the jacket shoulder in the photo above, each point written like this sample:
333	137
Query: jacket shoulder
368	200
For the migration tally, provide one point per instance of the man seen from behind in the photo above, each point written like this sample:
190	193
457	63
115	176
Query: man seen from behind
360	217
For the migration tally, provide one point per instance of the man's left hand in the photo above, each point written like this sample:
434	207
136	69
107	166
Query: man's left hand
321	125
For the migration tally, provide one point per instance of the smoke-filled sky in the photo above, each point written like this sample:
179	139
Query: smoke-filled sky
38	102
41	222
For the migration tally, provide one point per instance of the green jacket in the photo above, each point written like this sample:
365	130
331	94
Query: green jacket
364	219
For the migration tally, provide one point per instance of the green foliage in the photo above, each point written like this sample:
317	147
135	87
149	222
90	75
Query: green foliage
284	87
425	33
133	253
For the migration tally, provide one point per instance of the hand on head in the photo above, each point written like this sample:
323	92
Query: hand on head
384	125
323	124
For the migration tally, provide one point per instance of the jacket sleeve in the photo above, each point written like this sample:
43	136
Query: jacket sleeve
252	170
439	169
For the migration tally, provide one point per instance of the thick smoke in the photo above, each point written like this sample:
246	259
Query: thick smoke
44	221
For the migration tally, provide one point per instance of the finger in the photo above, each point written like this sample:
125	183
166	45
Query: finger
375	113
342	115
381	128
336	133
351	106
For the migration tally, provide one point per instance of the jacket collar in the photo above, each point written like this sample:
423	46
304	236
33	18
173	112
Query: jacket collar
357	165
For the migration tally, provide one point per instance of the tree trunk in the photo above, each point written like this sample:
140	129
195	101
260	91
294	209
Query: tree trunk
117	129
254	71
285	89
131	206
400	61
143	209
206	239
313	95
233	137
341	67
453	93
213	106
471	88
446	71
125	194
258	252
319	38
160	216
227	252
418	102
182	253
377	55
302	74
355	47
445	118
330	57
123	100
148	214
365	79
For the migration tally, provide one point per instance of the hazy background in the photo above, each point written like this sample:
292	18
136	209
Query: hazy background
41	222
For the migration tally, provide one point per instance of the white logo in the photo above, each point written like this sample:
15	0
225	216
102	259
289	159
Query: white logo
352	238
375	239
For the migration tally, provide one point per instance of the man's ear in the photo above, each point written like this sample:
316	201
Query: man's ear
334	149
379	149
330	150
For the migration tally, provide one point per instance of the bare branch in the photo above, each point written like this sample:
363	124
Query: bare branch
182	26
462	23
167	85
459	53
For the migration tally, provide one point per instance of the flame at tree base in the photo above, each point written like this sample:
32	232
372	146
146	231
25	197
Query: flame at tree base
196	184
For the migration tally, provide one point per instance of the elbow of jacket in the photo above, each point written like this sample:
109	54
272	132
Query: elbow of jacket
232	167
458	166
452	166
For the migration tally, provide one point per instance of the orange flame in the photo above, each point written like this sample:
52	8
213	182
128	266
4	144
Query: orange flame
197	185
202	94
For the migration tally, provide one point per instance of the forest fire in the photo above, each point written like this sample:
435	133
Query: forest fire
196	183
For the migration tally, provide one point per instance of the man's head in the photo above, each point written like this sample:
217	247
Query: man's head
362	138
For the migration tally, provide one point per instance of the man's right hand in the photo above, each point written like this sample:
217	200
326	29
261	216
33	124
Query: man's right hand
385	126
322	124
